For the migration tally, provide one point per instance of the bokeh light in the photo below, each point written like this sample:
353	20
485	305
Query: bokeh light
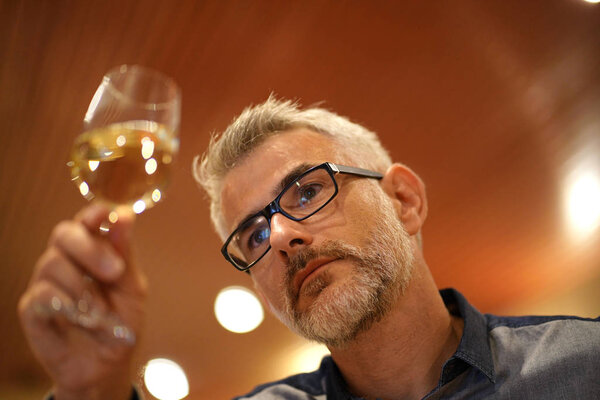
165	379
583	202
238	310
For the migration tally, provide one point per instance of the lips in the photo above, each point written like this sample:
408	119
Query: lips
311	266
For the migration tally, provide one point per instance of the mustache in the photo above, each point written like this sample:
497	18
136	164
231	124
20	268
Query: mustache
329	248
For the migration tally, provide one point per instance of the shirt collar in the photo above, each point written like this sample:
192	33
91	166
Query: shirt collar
474	348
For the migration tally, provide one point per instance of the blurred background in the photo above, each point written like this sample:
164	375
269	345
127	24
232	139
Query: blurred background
495	104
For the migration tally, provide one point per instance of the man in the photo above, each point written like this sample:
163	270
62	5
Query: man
311	206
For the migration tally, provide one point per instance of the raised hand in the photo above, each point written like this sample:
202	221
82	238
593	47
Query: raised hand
65	337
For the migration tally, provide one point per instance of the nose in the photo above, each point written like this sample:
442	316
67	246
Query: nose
288	236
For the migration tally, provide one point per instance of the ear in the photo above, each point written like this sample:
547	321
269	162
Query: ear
408	195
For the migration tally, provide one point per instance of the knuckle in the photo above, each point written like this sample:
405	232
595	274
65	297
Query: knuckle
24	304
35	294
60	231
49	261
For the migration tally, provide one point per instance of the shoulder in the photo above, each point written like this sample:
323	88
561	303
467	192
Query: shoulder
545	330
538	349
307	386
555	336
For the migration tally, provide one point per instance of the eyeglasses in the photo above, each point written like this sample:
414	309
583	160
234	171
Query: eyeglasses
303	197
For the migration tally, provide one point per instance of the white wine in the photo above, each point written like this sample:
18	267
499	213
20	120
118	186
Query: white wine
126	163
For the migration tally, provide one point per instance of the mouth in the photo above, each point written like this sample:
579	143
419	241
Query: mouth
309	271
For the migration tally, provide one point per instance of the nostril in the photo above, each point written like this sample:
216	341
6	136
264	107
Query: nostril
296	241
283	254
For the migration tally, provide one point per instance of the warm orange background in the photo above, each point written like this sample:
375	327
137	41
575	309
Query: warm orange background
493	103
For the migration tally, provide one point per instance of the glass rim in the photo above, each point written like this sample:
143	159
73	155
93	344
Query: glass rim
109	82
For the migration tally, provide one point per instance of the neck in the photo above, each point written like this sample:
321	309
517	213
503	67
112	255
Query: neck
401	356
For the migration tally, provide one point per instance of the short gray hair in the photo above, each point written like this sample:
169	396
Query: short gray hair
257	123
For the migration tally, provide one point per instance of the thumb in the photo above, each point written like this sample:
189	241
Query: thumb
97	219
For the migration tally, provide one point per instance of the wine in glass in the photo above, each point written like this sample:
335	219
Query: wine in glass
123	159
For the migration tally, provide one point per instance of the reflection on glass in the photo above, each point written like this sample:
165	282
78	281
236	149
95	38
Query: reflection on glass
84	189
121	140
156	195
139	206
151	166
93	165
147	148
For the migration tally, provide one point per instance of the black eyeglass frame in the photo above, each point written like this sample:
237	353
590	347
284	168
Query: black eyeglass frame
274	207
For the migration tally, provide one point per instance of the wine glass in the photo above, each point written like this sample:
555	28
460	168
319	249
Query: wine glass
123	159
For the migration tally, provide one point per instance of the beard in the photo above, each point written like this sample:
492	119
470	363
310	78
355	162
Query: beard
381	271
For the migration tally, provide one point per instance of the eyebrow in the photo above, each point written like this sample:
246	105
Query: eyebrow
286	180
290	177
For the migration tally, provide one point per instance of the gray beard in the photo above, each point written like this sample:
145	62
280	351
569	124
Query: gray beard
381	271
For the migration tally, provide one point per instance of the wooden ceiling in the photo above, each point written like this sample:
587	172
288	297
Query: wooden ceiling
495	104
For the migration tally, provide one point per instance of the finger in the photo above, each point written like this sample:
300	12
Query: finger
132	281
89	252
43	309
55	267
120	231
120	237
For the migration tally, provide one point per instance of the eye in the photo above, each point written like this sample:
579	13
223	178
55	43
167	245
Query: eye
258	237
307	193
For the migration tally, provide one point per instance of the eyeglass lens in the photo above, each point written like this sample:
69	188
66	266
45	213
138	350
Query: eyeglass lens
300	200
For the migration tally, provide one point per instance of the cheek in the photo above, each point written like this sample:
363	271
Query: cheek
269	285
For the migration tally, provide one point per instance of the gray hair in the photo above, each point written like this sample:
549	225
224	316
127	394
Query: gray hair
257	123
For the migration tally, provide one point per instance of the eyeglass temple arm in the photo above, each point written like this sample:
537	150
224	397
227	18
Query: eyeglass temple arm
343	169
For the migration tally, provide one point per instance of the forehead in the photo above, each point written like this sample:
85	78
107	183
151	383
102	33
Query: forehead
248	187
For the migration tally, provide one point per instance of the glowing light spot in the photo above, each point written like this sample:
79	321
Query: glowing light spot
55	303
592	1
165	379
113	217
583	202
121	140
139	206
147	148
84	189
95	101
238	310
151	166
156	195
307	358
93	164
167	158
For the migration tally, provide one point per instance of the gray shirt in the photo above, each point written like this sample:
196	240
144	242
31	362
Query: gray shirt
498	358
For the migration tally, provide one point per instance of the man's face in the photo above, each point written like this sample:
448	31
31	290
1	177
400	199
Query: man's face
332	275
